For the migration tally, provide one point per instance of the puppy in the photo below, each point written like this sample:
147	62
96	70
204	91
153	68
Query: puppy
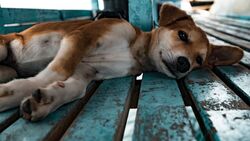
68	55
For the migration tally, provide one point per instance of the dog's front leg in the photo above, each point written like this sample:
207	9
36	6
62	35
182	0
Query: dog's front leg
47	100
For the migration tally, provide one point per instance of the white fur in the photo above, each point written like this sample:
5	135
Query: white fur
114	51
36	53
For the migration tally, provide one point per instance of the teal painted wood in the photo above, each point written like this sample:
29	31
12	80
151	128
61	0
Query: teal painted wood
13	15
1	22
15	29
161	111
195	124
5	115
239	77
69	14
214	23
227	38
210	95
140	14
224	29
34	131
95	5
100	118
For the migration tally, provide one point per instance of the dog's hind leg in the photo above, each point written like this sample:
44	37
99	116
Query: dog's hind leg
47	100
7	74
62	67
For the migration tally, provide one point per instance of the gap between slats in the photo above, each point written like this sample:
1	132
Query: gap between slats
196	109
232	86
59	129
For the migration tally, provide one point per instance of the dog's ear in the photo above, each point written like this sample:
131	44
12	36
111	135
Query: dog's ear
223	55
170	14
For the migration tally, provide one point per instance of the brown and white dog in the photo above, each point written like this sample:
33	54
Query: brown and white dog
83	51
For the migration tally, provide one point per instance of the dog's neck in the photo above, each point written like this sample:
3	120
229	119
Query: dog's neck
140	50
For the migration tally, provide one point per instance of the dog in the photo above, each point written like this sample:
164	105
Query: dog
68	55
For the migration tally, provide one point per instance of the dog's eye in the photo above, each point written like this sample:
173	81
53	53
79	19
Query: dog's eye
199	60
183	36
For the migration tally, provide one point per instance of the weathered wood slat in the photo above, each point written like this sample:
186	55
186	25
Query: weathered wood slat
1	22
34	131
141	17
69	14
229	21
222	36
13	15
224	26
101	118
6	118
216	102
161	111
224	29
62	118
13	29
224	20
195	124
238	78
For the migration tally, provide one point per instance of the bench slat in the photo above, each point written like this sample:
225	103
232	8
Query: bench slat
63	115
138	16
161	111
225	29
103	114
239	78
1	22
34	131
13	15
69	14
213	99
216	23
4	117
222	36
16	28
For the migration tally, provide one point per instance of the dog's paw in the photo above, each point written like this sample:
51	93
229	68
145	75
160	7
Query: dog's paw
36	106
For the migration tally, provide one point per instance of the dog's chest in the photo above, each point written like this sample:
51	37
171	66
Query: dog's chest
111	59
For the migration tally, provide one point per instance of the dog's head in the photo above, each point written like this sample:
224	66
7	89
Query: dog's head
179	45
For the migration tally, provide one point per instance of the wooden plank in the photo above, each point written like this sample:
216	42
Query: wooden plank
69	14
141	17
26	130
216	23
161	111
220	109
102	116
227	38
225	29
195	124
13	29
238	77
1	22
14	15
52	126
224	20
7	118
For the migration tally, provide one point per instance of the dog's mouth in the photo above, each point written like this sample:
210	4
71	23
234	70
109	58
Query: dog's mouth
172	72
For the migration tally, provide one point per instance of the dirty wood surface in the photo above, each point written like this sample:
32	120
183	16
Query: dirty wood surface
161	111
103	116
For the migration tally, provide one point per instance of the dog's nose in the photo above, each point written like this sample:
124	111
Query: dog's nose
183	64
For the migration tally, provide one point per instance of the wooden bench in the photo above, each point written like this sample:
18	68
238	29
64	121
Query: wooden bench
205	105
